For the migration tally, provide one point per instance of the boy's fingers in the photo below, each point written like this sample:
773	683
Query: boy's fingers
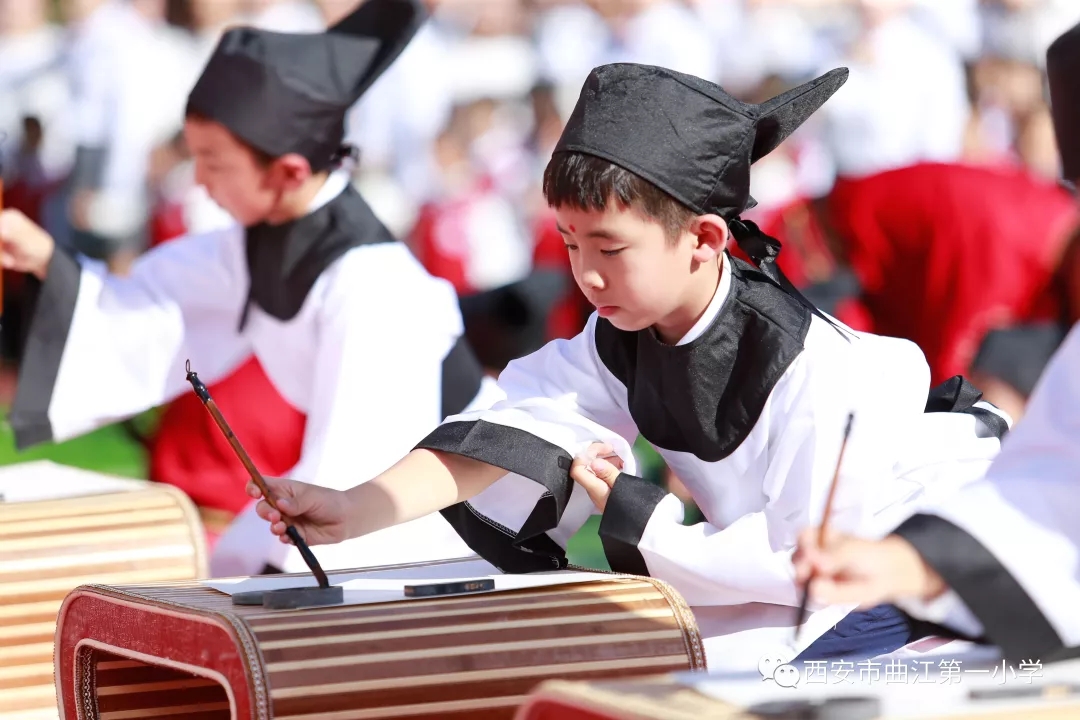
582	476
601	449
808	538
804	566
833	592
614	460
604	470
594	486
267	513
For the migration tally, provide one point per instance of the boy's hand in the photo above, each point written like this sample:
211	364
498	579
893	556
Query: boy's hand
319	514
596	471
869	572
24	246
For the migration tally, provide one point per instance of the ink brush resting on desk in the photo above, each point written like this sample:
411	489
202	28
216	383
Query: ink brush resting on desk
325	593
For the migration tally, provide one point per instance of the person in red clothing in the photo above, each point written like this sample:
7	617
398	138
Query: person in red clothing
963	260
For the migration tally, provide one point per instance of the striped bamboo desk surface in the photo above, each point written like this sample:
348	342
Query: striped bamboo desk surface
48	547
128	652
665	697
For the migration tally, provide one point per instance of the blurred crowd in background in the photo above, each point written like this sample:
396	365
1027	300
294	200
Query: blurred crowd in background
454	138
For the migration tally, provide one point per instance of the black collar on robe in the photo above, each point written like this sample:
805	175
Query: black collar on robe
284	261
705	397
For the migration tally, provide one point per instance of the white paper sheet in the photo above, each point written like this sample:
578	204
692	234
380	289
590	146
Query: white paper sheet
375	586
942	691
46	480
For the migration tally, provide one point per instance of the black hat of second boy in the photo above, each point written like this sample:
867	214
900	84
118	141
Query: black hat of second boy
686	135
289	92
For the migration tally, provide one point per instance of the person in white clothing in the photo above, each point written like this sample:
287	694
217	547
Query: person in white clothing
997	561
345	321
734	378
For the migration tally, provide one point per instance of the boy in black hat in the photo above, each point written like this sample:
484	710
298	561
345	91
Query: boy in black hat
998	560
347	324
742	387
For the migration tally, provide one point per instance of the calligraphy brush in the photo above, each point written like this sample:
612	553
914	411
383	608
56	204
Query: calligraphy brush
824	525
325	593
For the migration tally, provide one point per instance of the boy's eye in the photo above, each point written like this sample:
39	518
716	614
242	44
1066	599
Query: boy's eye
611	253
571	247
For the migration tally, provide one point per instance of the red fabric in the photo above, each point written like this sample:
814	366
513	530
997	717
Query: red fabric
439	240
189	451
27	198
946	253
167	223
552	709
569	315
806	258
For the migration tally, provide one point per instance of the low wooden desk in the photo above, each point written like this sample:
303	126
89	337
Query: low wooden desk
185	649
665	698
84	528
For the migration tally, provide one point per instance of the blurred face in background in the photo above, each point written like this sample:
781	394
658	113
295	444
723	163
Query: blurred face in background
153	10
245	185
20	16
211	14
77	10
614	9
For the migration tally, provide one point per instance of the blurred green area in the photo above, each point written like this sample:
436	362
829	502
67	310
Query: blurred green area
115	450
110	450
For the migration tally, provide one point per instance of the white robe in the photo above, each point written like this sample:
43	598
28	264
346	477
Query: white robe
362	359
757	490
1009	545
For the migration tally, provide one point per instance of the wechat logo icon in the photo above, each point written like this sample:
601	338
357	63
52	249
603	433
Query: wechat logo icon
775	665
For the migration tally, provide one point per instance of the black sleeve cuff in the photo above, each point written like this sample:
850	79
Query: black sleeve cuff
1010	618
522	453
629	507
39	365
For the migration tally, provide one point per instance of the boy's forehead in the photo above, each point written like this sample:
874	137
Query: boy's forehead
590	220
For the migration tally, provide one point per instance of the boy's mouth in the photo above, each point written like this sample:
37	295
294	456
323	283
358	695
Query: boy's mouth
606	310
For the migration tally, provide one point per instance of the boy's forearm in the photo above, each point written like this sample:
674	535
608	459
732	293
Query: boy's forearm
423	482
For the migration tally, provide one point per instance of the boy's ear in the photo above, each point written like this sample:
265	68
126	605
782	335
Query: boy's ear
294	170
712	236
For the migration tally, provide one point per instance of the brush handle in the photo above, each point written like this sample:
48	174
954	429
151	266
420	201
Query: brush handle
305	552
804	604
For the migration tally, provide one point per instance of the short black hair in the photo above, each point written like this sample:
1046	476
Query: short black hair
588	182
263	158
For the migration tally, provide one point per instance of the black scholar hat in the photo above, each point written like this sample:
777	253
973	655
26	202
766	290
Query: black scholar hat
686	135
289	92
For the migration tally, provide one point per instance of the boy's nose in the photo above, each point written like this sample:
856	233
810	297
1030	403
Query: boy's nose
592	280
